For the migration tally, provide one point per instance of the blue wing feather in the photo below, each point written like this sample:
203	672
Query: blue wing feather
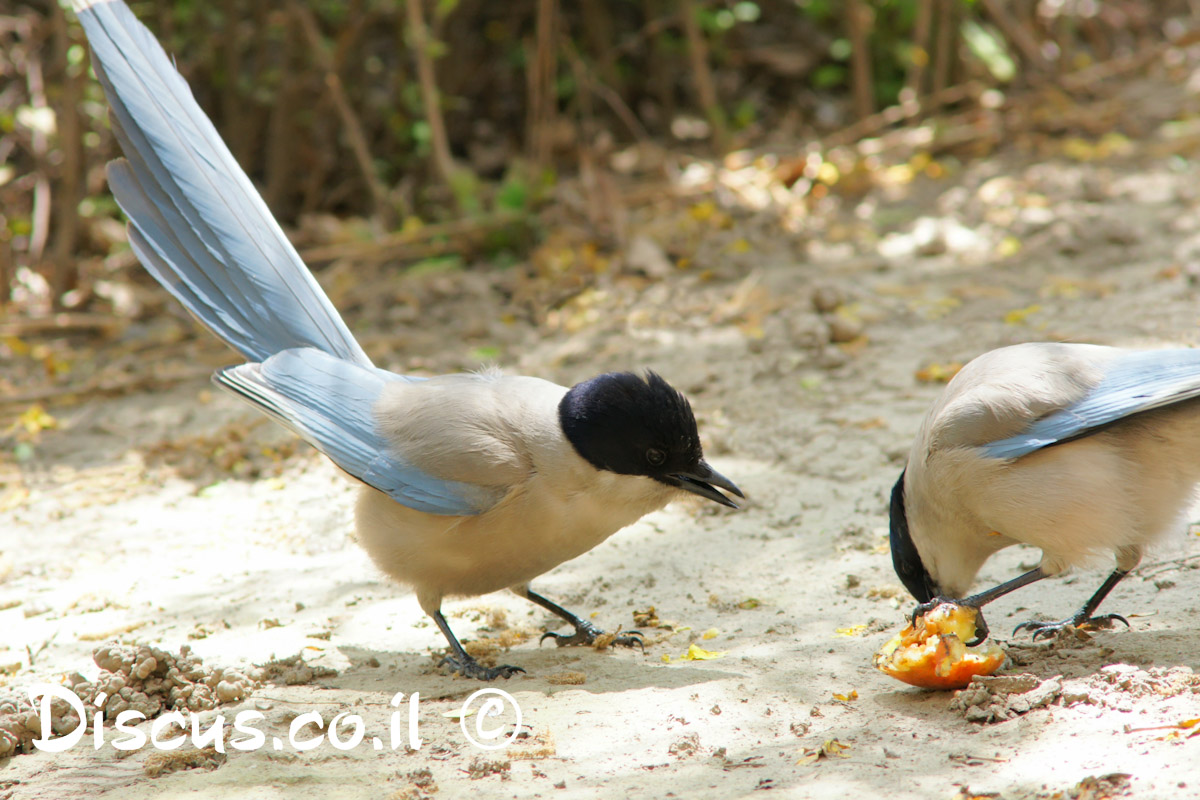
202	231
1132	383
215	245
330	403
159	245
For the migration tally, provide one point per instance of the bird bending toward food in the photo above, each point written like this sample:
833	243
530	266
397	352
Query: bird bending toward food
1081	450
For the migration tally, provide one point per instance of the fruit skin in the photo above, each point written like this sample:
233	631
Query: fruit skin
931	654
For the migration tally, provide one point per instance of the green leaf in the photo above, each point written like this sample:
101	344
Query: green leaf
989	48
485	353
465	186
436	265
828	76
513	195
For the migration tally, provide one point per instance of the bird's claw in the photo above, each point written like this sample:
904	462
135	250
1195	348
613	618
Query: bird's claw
981	627
981	631
922	609
1104	619
587	633
630	639
1046	630
470	668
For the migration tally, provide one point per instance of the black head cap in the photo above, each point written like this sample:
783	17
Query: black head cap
633	425
905	558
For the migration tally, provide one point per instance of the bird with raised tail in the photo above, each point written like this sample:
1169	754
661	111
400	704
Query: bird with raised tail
471	483
1086	452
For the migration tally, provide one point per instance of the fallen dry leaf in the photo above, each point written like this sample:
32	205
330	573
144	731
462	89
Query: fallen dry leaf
1009	246
1102	787
697	653
830	748
649	619
571	678
604	641
938	373
1018	315
34	420
532	748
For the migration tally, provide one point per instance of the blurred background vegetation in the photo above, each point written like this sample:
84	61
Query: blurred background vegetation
427	132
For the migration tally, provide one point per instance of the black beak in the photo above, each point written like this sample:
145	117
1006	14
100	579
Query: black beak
702	480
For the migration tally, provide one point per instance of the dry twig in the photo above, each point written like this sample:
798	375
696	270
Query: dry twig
922	27
430	97
1018	34
106	385
460	236
706	92
947	44
350	122
543	106
62	323
903	112
858	27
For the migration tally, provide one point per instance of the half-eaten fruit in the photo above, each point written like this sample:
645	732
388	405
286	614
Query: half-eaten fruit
931	653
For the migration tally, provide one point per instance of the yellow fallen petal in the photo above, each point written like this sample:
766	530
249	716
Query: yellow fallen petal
831	748
711	633
835	748
828	173
18	346
938	373
809	756
703	211
1019	315
697	653
1009	246
35	419
13	497
853	630
846	698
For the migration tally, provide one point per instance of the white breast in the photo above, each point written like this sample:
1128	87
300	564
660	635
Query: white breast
502	433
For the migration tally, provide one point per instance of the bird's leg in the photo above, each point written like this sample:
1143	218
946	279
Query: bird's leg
585	632
1083	617
462	663
978	601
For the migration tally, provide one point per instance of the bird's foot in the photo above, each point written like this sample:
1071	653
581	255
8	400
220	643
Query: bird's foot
1046	630
470	668
588	634
981	626
922	609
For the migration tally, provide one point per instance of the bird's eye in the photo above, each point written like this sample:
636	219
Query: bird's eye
655	456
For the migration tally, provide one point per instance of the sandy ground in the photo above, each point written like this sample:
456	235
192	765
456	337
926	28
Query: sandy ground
132	531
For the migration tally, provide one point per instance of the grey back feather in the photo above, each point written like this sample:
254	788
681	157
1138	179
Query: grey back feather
1015	400
331	404
1132	382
